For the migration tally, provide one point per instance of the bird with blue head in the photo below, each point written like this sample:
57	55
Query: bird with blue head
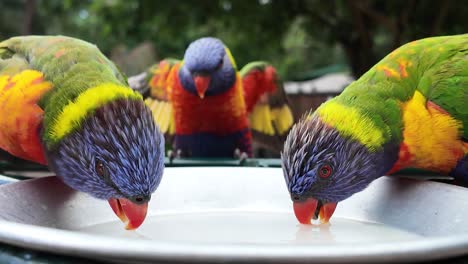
65	105
207	70
322	167
406	111
209	107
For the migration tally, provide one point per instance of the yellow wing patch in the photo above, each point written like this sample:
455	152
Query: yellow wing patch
432	135
352	123
271	121
75	112
261	119
163	115
282	118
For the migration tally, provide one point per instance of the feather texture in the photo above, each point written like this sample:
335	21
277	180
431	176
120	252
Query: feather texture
265	99
65	104
75	112
21	116
233	105
409	110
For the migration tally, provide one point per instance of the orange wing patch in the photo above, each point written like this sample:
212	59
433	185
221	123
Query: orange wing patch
21	117
159	80
398	68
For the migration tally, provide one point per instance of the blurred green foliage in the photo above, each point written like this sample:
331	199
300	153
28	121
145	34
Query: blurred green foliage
296	35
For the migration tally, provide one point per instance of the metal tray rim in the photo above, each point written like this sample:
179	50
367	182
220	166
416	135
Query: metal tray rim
45	238
69	242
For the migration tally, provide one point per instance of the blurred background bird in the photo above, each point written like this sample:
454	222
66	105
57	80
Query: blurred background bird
409	110
212	109
64	104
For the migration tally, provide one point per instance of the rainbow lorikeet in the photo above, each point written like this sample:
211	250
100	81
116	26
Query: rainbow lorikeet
409	110
64	104
211	109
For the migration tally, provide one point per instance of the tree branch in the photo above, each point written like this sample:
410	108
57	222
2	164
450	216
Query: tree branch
380	18
402	22
443	10
29	11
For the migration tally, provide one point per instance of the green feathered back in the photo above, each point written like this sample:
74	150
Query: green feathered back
71	65
253	65
446	84
437	67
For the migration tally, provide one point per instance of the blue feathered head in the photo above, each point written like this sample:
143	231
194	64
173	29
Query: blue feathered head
208	68
321	167
117	154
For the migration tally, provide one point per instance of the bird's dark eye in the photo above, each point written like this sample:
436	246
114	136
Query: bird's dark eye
325	171
101	170
220	64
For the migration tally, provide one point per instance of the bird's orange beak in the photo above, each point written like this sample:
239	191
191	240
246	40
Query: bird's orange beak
311	208
130	213
201	84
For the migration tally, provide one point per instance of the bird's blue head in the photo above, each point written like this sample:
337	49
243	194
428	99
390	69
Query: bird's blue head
208	68
117	154
322	167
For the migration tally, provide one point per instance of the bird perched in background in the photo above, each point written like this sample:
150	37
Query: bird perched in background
206	103
63	103
409	110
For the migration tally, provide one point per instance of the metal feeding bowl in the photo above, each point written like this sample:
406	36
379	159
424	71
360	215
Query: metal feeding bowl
238	214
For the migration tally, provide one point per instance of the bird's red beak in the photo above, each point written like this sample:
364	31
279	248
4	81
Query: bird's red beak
311	208
201	84
130	213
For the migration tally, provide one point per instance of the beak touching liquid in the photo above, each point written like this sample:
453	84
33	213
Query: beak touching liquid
131	214
201	84
312	208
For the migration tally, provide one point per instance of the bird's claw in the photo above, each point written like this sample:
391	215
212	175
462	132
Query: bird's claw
240	155
170	155
174	155
237	153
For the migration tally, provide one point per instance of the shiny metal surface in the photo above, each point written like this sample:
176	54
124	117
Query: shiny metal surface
45	214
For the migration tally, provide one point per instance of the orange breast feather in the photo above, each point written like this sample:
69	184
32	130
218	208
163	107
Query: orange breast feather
21	117
219	114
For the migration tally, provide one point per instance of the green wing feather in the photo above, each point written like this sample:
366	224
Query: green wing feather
446	83
437	67
70	64
269	113
155	88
